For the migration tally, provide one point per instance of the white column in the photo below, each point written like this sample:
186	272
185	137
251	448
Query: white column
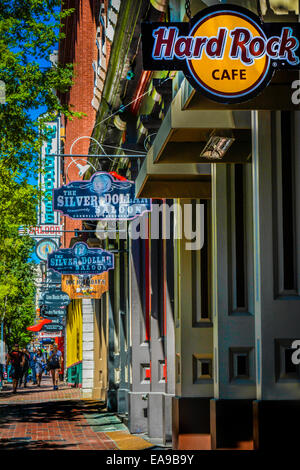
87	348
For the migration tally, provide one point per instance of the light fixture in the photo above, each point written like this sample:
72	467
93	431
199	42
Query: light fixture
82	168
216	147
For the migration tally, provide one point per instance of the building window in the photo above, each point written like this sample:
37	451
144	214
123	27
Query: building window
145	373
240	258
285	370
157	272
143	279
239	363
162	371
287	182
202	368
123	287
201	271
289	367
177	365
240	239
283	148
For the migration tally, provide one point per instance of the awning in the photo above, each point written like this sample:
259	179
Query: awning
184	134
39	325
173	181
277	95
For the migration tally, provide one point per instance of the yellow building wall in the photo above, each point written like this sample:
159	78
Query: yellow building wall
74	333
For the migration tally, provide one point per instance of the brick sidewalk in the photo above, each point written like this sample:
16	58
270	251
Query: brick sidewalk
42	419
33	394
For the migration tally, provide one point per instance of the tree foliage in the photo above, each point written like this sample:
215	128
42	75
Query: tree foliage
29	31
18	201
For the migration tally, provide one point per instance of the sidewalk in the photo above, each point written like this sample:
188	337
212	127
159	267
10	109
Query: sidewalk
42	419
34	394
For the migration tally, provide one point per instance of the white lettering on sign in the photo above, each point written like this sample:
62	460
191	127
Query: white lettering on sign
244	46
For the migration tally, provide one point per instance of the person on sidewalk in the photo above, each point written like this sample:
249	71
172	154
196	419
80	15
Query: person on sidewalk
39	366
46	357
16	359
54	363
25	368
32	365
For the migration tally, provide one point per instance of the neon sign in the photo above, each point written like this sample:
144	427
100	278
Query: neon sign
225	52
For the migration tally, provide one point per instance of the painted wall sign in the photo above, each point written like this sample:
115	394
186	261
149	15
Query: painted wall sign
44	247
51	173
85	287
226	52
55	297
41	231
80	259
102	197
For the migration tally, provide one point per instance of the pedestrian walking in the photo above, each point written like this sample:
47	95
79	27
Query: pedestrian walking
25	368
54	364
45	356
32	365
39	366
16	359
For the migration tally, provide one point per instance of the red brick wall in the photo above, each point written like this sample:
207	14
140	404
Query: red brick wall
79	47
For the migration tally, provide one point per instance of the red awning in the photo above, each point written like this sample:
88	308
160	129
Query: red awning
39	325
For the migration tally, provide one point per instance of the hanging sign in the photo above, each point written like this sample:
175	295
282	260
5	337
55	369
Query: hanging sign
44	334
53	297
52	311
80	259
44	247
53	280
85	287
226	52
53	327
51	171
52	316
101	197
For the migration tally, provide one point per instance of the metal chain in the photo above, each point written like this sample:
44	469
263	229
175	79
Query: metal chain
188	9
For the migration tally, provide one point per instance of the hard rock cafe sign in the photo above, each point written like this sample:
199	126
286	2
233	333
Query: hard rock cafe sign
226	52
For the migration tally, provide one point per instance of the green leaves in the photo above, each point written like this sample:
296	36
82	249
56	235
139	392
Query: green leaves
18	201
29	32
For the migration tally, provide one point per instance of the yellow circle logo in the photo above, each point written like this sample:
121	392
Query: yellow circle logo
229	64
229	57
